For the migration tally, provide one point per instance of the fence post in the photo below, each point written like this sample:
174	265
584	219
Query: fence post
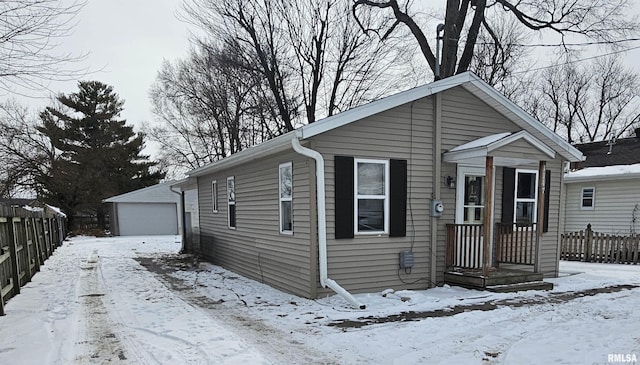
15	268
588	236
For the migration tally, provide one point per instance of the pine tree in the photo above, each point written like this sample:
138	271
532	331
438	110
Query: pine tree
97	154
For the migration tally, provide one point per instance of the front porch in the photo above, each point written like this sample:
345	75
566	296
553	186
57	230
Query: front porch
510	264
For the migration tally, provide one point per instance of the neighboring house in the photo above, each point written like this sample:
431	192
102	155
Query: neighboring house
404	192
605	192
149	211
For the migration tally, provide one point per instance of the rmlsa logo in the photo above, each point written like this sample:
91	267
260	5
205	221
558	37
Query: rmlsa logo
622	358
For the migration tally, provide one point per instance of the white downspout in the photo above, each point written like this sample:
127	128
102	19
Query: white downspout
322	226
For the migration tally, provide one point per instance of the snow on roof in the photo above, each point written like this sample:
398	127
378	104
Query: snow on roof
56	210
480	142
604	173
159	193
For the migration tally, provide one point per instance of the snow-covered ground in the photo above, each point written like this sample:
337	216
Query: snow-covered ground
134	300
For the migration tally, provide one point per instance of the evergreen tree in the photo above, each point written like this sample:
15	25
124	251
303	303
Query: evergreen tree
96	154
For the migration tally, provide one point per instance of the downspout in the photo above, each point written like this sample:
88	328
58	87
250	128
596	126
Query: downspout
183	231
325	281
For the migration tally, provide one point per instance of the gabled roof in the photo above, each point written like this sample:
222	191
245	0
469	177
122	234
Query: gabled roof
467	80
624	151
482	147
159	193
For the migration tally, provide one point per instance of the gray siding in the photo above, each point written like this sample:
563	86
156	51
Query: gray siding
256	248
614	203
369	263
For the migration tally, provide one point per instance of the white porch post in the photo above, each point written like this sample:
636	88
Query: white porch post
542	168
488	208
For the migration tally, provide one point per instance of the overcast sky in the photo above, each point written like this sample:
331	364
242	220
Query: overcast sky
127	40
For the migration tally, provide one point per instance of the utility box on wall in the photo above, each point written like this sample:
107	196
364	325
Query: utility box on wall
406	259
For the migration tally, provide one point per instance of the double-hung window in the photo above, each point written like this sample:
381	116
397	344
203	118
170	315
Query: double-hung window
286	197
526	196
371	203
214	195
588	197
231	202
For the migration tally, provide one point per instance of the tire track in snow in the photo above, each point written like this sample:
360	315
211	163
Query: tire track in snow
96	343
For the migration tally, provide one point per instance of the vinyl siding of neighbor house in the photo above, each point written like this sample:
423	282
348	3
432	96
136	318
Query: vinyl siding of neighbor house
614	203
256	248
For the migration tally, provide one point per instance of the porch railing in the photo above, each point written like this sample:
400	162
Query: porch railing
515	244
464	246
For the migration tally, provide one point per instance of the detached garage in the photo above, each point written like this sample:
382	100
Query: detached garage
149	211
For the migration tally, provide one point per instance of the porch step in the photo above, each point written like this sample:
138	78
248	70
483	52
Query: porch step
509	288
500	280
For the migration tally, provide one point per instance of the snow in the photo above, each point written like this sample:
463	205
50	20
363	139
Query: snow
616	170
134	300
481	142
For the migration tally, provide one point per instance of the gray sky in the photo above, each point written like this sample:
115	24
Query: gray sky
127	40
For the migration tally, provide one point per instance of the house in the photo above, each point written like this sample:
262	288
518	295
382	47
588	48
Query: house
440	183
605	191
148	211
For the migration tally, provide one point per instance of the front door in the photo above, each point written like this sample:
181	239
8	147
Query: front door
470	206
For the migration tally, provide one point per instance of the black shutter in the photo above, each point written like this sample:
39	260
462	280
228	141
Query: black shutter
547	186
398	198
508	194
344	196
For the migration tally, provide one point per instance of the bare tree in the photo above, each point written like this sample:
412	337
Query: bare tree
29	32
311	54
464	20
208	108
587	103
25	152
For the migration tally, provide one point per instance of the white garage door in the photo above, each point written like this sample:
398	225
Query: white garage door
147	219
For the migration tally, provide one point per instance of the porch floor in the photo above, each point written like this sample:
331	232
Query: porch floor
498	280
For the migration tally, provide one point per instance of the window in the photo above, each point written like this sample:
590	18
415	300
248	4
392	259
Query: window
286	198
231	201
214	195
371	192
588	197
526	193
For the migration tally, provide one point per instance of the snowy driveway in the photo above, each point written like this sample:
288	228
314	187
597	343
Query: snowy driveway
134	301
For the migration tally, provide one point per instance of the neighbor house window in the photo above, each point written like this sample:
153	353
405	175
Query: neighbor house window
231	201
286	198
371	203
588	197
214	195
526	193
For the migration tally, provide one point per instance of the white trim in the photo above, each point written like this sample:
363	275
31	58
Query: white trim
231	202
593	198
533	200
483	147
281	199
357	196
214	196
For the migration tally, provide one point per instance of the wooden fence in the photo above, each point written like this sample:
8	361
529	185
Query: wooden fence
590	246
27	239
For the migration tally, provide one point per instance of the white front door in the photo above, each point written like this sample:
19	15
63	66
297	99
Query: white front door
470	206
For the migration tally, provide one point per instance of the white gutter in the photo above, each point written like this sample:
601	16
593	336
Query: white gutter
322	226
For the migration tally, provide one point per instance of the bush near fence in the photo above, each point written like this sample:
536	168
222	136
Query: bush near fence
27	239
590	246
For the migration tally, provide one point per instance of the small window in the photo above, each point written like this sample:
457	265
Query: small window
371	192
231	201
214	195
525	201
588	197
286	198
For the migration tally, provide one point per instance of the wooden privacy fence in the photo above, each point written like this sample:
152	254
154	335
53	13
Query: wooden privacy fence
27	239
590	246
